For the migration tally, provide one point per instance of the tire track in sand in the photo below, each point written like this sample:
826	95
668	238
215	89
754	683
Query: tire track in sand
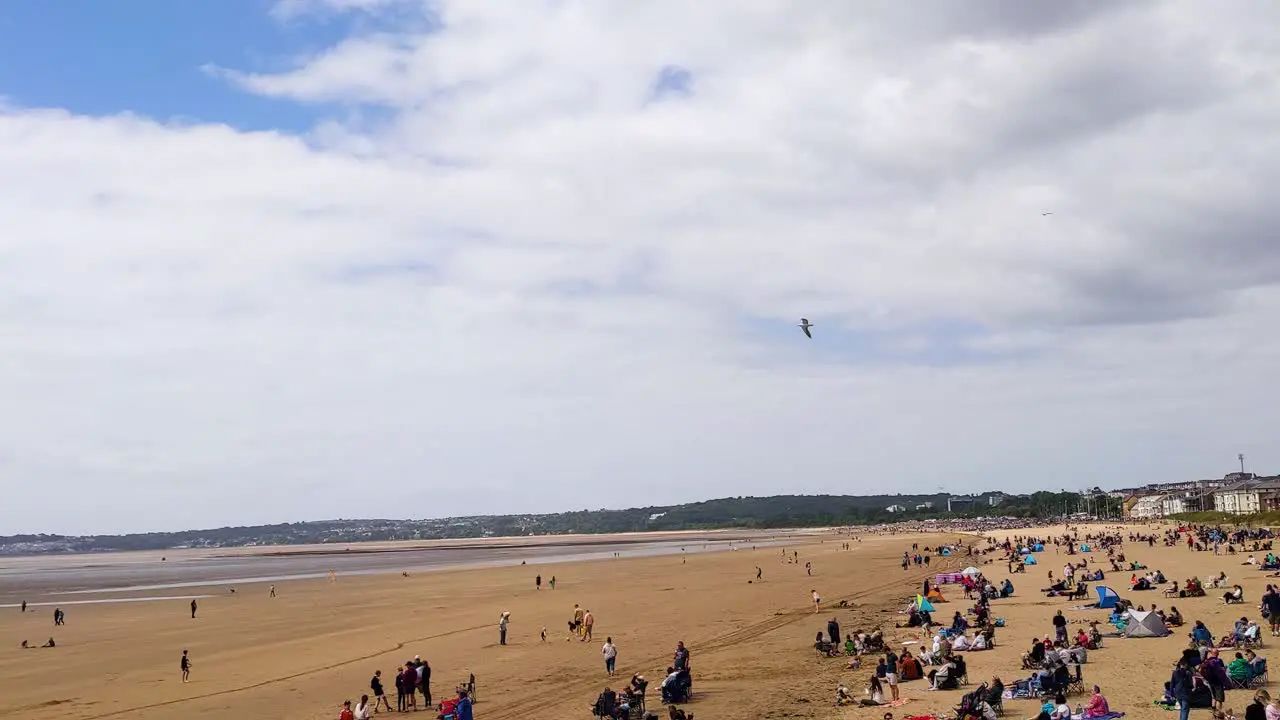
283	678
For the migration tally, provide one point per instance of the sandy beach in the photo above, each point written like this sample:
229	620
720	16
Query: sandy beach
300	654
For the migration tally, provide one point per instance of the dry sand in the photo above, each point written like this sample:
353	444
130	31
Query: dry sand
301	654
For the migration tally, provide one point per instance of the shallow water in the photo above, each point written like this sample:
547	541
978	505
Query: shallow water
63	576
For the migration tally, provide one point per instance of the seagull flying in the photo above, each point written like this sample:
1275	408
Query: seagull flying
1046	213
805	325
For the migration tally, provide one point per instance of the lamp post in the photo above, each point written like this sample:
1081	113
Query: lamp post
1240	457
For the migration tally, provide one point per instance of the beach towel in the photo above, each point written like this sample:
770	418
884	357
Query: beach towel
1108	716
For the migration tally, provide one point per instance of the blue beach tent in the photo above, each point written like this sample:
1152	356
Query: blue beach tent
1038	547
1107	598
1030	560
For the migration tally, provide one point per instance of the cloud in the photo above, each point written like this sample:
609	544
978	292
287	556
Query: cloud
502	278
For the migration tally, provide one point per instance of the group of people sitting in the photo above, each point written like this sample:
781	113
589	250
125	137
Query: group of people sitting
1192	588
618	705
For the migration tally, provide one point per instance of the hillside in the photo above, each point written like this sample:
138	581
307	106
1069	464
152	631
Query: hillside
791	511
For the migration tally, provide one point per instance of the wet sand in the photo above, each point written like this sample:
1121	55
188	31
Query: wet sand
45	579
301	654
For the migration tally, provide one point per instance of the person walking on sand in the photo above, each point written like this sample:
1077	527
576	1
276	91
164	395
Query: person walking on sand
759	574
346	713
502	627
588	622
576	624
24	606
185	665
537	583
379	693
544	633
193	608
610	653
273	591
817	601
553	582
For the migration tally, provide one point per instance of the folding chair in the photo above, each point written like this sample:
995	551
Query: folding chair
1075	686
1260	678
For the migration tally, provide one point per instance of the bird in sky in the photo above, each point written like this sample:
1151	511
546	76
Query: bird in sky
1046	213
805	325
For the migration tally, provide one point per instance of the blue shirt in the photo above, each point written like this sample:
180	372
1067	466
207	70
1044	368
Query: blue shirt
463	709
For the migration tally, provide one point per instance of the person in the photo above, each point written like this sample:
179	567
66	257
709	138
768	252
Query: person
185	665
462	711
553	582
544	633
759	574
410	687
1215	675
379	695
24	602
891	672
193	608
273	591
424	679
1060	627
346	713
610	653
875	691
401	703
1097	706
1257	710
843	696
1180	688
362	710
681	659
833	630
1061	710
588	621
575	625
606	704
1240	671
817	601
537	583
502	627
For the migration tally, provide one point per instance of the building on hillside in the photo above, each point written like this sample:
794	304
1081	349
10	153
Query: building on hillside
1247	497
995	499
895	509
956	504
928	505
1146	507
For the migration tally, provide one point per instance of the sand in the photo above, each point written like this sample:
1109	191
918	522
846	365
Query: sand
299	655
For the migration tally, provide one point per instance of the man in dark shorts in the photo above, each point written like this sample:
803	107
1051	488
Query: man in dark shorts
379	695
193	608
186	666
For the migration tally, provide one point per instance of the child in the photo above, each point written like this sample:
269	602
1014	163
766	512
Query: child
544	634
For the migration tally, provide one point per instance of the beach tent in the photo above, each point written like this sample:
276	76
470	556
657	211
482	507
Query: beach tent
1038	547
971	570
945	552
1144	624
1085	548
923	604
935	595
1023	551
1107	598
1030	560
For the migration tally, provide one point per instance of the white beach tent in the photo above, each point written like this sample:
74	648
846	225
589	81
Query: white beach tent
971	570
1144	624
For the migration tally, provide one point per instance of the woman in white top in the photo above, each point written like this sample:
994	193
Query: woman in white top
875	691
1061	710
961	643
362	710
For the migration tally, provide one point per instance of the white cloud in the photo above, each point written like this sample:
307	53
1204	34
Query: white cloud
507	278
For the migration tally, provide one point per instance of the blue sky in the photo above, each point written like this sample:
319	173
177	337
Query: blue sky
145	56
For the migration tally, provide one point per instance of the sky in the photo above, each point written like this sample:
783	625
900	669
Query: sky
267	261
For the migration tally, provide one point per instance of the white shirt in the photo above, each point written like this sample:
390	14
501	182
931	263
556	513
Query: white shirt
609	650
817	597
362	712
